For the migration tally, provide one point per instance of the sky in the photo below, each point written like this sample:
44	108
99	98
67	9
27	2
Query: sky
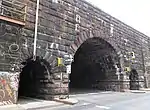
135	13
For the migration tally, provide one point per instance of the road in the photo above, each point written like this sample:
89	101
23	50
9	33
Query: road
108	101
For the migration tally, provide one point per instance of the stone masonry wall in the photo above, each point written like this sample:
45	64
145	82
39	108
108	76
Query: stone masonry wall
9	62
63	26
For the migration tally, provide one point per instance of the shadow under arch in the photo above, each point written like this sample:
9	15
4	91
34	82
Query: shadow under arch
134	80
94	65
32	73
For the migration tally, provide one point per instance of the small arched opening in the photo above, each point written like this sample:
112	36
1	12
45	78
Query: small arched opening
134	80
32	73
94	66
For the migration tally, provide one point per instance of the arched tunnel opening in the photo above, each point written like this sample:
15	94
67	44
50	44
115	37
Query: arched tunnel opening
94	66
134	80
32	73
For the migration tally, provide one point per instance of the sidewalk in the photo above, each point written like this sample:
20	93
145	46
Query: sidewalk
11	107
33	104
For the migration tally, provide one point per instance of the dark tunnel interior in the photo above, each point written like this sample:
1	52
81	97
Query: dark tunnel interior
93	64
134	80
29	78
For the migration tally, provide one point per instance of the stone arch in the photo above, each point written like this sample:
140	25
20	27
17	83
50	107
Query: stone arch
31	75
90	34
83	36
46	86
83	39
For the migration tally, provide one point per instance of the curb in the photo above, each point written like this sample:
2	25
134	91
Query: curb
136	91
144	89
67	101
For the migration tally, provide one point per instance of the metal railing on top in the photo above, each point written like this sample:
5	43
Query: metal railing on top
13	9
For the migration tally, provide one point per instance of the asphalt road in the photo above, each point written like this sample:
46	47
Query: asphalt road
108	101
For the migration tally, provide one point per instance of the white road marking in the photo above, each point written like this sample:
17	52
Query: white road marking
103	107
85	104
93	93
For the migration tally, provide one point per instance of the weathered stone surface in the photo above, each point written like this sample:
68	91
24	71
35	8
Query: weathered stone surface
53	91
56	85
57	28
62	28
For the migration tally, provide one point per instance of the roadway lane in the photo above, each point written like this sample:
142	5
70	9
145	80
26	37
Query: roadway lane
108	101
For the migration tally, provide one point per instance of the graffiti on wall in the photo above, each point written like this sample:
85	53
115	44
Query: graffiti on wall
8	88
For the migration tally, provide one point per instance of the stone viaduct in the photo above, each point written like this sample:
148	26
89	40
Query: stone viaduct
108	54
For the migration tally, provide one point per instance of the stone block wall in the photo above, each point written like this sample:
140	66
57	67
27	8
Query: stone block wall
63	26
9	62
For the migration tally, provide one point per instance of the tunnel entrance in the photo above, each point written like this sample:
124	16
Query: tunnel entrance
32	72
94	66
134	80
